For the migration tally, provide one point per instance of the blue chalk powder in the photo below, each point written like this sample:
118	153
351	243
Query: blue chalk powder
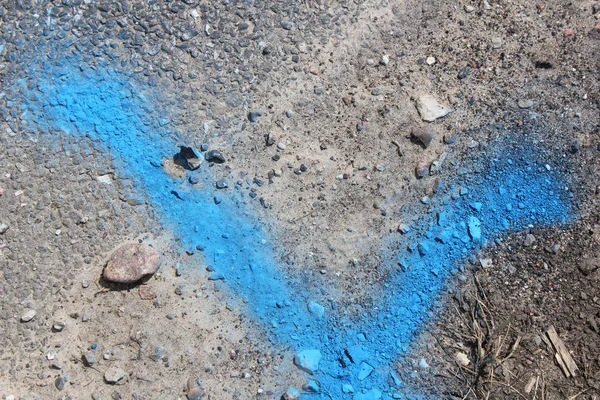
345	358
104	106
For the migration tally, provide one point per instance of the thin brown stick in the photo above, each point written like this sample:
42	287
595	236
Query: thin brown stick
511	388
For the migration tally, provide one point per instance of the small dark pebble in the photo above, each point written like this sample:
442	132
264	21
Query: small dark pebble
450	138
203	147
259	182
218	200
253	195
253	115
59	383
222	184
215	156
276	157
464	72
194	179
543	65
573	148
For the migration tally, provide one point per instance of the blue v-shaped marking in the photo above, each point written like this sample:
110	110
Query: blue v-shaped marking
357	351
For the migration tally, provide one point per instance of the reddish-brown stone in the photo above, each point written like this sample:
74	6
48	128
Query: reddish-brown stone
146	292
130	263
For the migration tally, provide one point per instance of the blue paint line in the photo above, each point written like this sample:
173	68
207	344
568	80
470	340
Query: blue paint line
455	227
106	107
356	356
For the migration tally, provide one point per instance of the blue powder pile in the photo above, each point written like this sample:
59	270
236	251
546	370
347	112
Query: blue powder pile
355	357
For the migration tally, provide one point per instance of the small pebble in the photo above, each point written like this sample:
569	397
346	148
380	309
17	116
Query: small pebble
215	156
421	170
525	103
529	240
59	383
253	115
89	358
222	184
28	315
58	327
464	72
114	375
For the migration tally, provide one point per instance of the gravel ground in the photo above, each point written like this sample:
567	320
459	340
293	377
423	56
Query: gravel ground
327	161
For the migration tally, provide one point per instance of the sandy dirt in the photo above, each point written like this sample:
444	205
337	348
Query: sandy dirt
314	107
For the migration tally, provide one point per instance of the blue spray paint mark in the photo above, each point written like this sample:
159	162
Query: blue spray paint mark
509	196
106	107
356	355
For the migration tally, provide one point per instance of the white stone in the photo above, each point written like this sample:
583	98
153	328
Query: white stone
462	359
28	315
106	179
114	375
302	47
429	108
